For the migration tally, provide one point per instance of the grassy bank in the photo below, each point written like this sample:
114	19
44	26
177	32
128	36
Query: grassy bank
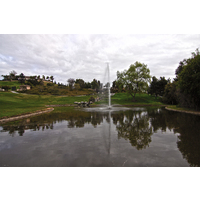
48	88
16	104
185	110
140	100
10	84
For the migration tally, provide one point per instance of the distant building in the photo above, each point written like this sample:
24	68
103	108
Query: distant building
24	87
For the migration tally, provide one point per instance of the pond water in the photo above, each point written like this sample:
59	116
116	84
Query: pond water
135	137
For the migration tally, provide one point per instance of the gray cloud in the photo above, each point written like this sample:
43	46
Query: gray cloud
84	56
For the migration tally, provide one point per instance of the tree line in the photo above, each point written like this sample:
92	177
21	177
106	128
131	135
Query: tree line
39	80
22	78
184	90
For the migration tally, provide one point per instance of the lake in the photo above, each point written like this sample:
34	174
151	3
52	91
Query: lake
95	137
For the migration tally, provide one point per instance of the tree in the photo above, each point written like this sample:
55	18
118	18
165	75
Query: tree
21	78
170	93
161	85
33	81
12	74
6	87
71	82
88	85
135	79
180	67
95	85
51	78
157	87
77	86
81	83
6	77
153	88
189	79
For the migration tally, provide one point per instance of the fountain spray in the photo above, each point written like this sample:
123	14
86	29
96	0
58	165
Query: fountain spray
109	97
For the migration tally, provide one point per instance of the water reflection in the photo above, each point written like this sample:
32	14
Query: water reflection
135	126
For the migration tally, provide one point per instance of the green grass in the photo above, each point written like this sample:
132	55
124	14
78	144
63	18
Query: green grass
10	83
175	107
17	104
140	99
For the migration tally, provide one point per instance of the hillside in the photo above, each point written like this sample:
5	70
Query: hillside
49	88
10	83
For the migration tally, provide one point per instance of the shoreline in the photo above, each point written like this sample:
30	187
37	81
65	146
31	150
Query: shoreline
184	111
51	109
25	115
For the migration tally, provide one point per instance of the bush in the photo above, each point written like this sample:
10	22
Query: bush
50	84
6	87
92	99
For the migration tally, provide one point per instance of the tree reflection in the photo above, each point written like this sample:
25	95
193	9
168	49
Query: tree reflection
189	139
44	122
135	127
187	127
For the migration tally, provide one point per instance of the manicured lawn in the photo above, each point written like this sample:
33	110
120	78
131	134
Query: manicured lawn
16	104
141	99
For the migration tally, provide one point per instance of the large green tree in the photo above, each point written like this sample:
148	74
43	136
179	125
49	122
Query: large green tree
81	82
135	79
189	79
95	85
170	94
157	87
21	78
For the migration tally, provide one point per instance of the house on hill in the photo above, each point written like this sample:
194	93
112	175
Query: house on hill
24	87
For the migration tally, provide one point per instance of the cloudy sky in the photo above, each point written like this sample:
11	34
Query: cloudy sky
75	39
85	55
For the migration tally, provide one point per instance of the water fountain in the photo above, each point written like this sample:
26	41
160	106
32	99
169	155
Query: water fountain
108	107
109	97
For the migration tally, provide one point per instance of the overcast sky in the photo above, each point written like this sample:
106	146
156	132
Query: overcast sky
118	32
85	55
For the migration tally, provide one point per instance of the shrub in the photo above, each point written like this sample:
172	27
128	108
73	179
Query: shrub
92	99
6	87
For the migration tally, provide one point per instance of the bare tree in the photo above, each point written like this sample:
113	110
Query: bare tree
71	82
12	74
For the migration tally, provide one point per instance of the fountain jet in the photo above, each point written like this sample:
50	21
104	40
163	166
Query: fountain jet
109	97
